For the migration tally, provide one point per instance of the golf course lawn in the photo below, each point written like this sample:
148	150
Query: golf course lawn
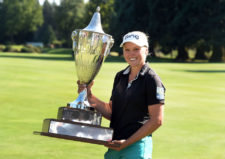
33	86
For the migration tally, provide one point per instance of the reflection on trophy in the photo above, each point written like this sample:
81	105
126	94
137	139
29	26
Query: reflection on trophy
78	121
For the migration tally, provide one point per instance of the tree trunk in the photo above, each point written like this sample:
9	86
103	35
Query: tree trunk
182	54
200	53
217	55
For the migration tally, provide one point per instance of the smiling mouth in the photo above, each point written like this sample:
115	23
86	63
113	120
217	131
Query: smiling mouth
132	59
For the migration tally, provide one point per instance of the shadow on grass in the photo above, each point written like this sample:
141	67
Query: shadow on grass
205	71
38	57
58	51
61	56
117	59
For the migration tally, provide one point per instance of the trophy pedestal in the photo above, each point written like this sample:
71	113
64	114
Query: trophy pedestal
79	125
79	115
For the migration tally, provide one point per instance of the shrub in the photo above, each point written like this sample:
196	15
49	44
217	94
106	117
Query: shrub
10	48
2	47
31	49
57	43
26	50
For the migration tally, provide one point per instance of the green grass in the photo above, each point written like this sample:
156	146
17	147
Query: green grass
33	86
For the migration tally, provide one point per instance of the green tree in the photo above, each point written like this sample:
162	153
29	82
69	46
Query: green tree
46	33
160	14
49	10
183	24
2	31
69	16
21	19
216	29
130	15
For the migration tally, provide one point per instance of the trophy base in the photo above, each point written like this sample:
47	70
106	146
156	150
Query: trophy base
81	139
77	131
79	115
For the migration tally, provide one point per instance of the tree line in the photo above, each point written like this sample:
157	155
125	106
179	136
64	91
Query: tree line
171	24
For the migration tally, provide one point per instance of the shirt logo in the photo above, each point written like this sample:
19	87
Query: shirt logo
160	93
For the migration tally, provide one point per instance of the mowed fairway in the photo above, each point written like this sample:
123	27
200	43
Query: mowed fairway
33	86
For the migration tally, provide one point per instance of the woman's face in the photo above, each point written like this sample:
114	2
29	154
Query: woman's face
134	55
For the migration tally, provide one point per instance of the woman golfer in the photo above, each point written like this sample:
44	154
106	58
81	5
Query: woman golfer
135	109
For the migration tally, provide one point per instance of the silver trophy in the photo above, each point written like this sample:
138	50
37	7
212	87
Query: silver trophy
78	121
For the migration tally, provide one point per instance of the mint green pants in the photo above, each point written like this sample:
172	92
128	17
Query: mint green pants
141	149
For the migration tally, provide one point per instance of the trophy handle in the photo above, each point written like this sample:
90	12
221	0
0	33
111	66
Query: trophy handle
74	37
111	42
81	102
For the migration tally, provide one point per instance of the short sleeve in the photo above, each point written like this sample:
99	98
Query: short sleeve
155	90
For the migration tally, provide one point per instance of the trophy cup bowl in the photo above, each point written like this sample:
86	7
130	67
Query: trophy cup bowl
90	50
78	121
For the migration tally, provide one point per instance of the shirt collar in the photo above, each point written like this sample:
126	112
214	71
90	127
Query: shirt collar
142	72
127	71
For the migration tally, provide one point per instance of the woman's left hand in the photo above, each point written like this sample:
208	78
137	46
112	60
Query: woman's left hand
113	145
